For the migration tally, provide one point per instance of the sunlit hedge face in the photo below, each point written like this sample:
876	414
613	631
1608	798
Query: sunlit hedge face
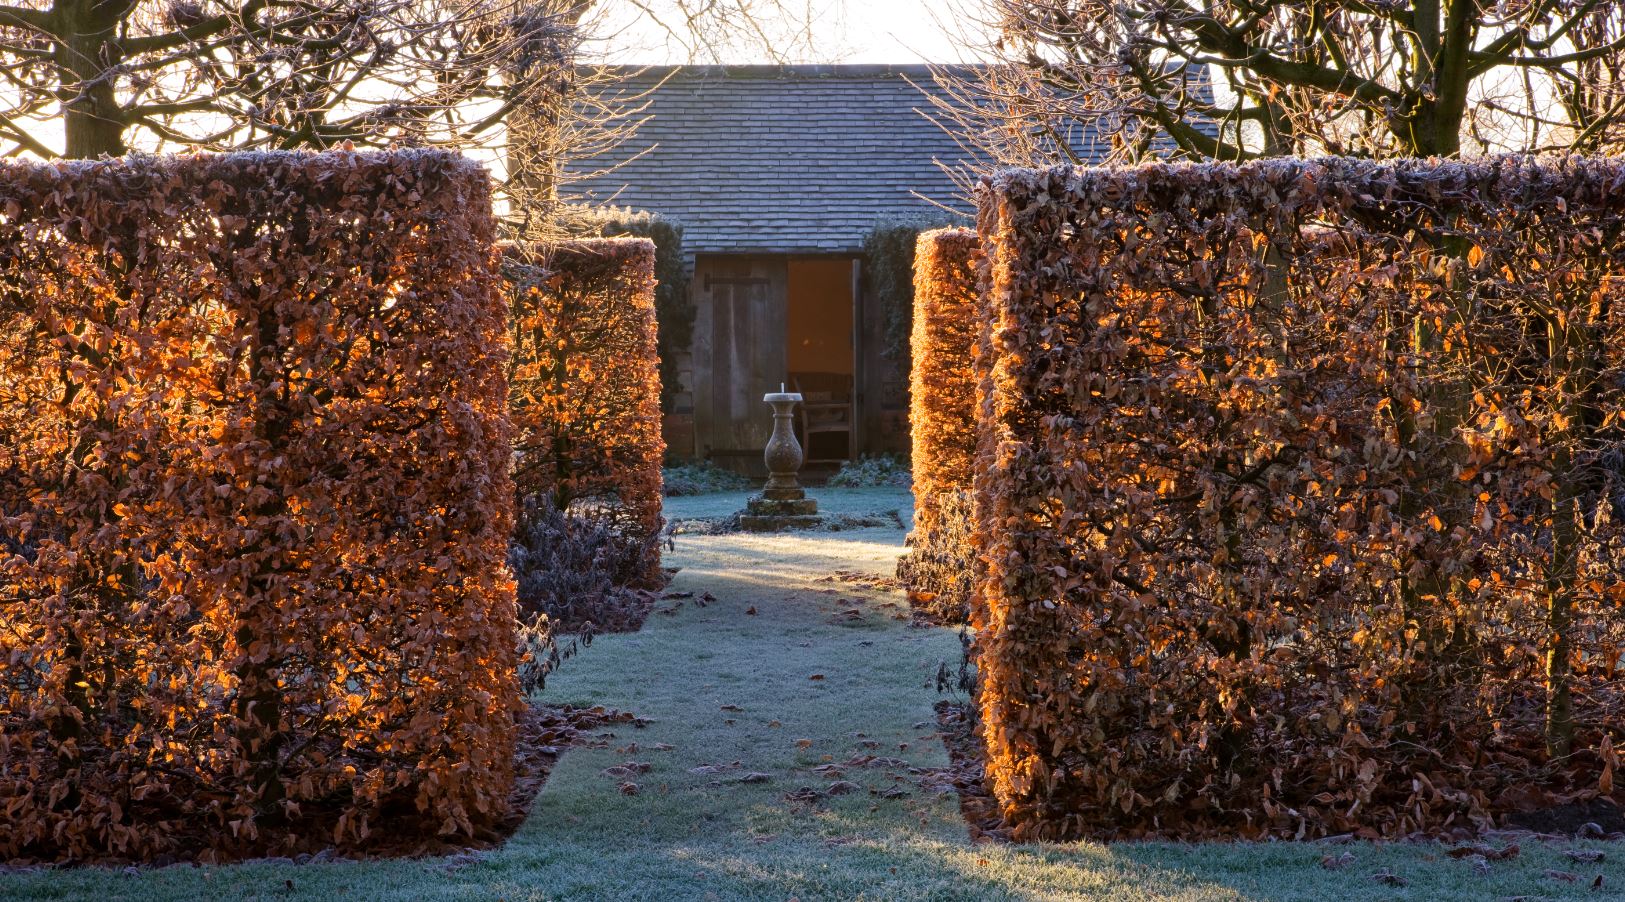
1304	494
585	382
255	505
942	421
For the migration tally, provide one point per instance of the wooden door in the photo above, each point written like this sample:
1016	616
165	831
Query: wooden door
739	353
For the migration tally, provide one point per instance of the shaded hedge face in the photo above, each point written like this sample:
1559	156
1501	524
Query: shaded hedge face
585	385
1301	495
255	505
942	422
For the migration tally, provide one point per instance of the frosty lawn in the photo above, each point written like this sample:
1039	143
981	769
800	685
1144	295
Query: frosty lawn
710	835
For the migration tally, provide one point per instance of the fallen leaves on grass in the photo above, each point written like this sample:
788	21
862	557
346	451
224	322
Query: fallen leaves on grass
1485	852
1388	878
866	580
544	734
965	775
805	794
629	769
809	794
861	760
1337	862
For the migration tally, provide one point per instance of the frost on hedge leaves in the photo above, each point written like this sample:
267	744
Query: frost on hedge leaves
254	505
1303	491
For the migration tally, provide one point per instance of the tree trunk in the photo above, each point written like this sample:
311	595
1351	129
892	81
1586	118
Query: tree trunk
1570	349
86	54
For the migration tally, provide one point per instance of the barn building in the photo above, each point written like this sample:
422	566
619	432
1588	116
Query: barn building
776	175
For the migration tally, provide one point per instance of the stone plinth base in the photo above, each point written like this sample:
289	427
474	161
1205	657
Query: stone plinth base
773	507
768	514
754	523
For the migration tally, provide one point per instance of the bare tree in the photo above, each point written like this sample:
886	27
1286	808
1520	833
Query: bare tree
715	31
83	78
1235	79
590	115
1593	91
146	74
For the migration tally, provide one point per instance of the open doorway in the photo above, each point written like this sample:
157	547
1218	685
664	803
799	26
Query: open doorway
819	354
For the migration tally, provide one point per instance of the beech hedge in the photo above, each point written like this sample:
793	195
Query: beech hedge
585	385
1303	495
942	422
255	506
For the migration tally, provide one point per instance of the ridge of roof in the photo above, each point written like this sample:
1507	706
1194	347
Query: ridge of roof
785	159
804	71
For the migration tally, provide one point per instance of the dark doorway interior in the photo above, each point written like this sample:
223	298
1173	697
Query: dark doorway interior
819	354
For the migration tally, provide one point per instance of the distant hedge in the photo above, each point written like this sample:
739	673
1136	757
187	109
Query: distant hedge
255	506
674	309
888	278
1303	495
942	422
585	384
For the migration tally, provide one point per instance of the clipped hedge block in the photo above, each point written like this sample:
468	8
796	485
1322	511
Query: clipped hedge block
255	506
1300	495
942	422
585	385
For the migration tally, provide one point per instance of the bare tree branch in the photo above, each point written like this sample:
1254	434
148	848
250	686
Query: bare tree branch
1262	77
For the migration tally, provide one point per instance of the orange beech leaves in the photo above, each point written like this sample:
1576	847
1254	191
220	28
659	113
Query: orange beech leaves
254	505
585	382
1300	495
942	422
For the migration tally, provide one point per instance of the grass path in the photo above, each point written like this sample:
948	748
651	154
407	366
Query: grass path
697	829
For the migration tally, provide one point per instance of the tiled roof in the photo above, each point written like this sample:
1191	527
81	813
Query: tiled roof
777	158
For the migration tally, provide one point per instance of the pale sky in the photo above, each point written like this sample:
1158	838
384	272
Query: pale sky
846	31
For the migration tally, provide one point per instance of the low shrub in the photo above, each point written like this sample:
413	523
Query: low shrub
701	478
543	650
872	471
578	570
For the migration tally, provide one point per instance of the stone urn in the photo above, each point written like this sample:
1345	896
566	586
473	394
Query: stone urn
783	454
783	504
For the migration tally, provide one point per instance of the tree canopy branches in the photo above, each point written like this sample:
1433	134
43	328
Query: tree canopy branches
1236	79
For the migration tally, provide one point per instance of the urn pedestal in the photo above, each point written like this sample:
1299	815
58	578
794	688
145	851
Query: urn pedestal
783	504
